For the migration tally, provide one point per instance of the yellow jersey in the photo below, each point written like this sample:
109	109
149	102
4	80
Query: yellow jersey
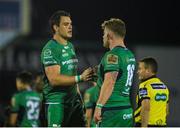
158	94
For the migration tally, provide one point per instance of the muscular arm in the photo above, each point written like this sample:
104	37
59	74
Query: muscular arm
107	87
145	112
105	93
57	79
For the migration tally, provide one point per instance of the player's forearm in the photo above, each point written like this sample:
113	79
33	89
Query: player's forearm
145	109
56	78
62	80
88	124
88	117
144	117
106	91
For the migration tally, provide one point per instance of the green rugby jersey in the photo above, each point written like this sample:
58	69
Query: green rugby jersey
55	53
122	60
27	105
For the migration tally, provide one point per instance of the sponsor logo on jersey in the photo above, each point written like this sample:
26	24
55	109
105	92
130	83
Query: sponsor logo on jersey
127	116
143	92
160	97
112	59
70	61
158	86
47	53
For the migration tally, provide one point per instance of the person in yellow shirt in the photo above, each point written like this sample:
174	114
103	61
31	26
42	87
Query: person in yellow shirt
153	96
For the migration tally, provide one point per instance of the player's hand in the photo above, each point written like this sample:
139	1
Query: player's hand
97	115
87	74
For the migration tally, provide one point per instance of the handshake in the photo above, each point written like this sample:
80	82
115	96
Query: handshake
90	74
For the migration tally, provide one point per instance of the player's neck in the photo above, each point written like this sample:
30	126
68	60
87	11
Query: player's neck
116	43
59	39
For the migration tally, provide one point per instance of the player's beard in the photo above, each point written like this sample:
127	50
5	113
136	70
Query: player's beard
66	37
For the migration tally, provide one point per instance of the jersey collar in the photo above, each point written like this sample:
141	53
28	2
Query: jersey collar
119	47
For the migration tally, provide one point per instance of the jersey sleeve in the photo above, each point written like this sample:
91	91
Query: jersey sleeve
144	92
49	56
15	106
111	62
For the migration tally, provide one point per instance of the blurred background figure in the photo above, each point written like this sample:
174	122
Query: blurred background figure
38	82
90	99
25	104
38	87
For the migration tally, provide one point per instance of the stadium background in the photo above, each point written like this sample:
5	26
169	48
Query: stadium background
152	30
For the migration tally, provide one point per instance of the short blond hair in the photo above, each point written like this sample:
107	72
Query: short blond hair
115	25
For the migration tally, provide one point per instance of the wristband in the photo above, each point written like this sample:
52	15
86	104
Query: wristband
78	78
99	106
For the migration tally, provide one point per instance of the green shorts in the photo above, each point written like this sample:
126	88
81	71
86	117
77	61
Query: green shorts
117	117
65	114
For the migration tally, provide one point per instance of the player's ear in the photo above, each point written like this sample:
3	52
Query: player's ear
148	70
55	27
108	36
